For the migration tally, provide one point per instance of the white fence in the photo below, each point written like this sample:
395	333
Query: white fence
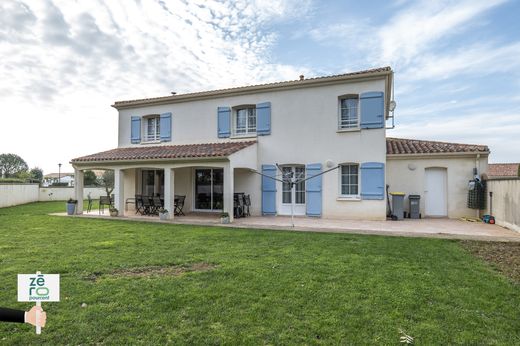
505	202
64	193
15	194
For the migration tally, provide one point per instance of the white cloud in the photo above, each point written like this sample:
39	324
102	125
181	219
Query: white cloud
414	29
483	59
498	130
64	63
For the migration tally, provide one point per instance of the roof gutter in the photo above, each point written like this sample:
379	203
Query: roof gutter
436	155
99	163
298	84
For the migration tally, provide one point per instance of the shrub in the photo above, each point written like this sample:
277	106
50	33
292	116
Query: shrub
11	181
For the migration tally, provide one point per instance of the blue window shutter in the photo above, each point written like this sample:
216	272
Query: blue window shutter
313	189
224	122
372	180
166	127
135	130
372	106
268	190
263	118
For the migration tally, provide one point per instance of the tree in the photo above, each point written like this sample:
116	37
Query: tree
107	181
89	178
36	173
11	164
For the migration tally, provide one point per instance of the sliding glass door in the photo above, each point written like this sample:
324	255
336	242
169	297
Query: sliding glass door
209	189
152	182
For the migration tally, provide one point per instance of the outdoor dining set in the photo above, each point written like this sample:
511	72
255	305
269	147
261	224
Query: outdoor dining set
144	205
153	205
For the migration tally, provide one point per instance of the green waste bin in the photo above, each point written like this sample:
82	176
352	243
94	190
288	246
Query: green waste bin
398	204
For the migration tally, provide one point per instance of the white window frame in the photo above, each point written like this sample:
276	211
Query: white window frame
340	181
341	126
248	131
156	135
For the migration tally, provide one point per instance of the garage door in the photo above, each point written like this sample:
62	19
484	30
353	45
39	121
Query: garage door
435	192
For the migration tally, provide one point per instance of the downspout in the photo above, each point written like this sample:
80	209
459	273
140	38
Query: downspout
477	174
390	99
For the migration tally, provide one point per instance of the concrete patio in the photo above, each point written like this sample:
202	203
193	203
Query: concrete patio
432	228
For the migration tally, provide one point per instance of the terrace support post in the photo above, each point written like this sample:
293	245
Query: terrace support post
229	188
78	190
119	191
169	191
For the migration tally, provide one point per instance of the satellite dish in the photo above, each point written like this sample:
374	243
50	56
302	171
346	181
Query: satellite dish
392	105
329	163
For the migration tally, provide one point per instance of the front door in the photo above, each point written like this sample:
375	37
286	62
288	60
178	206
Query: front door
209	189
296	194
435	192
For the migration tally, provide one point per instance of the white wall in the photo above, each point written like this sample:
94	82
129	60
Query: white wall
15	194
402	178
506	202
250	184
64	193
304	129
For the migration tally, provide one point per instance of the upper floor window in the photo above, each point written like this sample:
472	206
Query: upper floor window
152	128
245	120
349	180
348	112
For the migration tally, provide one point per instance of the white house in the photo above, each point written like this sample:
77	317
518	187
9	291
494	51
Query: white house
209	145
52	178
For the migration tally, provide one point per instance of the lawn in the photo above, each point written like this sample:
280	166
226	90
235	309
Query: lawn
146	283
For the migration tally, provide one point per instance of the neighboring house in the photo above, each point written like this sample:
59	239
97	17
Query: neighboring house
503	170
208	145
53	178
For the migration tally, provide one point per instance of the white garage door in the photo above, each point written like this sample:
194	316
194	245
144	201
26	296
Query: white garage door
435	192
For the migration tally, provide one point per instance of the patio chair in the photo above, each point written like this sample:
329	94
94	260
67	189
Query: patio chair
157	204
89	205
238	205
179	204
104	200
139	207
247	204
147	206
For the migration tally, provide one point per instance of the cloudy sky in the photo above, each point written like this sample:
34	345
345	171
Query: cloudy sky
64	62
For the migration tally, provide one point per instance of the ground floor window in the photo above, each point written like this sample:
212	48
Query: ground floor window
209	189
349	180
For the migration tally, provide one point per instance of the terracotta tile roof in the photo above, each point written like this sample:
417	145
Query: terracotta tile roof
503	170
402	146
166	152
175	97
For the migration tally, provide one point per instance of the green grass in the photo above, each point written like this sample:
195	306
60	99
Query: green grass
267	287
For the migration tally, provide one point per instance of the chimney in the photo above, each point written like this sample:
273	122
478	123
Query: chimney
302	77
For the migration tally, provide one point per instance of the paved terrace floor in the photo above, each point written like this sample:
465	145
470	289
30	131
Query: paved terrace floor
433	228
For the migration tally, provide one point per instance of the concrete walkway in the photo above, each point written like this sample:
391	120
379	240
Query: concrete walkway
431	228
